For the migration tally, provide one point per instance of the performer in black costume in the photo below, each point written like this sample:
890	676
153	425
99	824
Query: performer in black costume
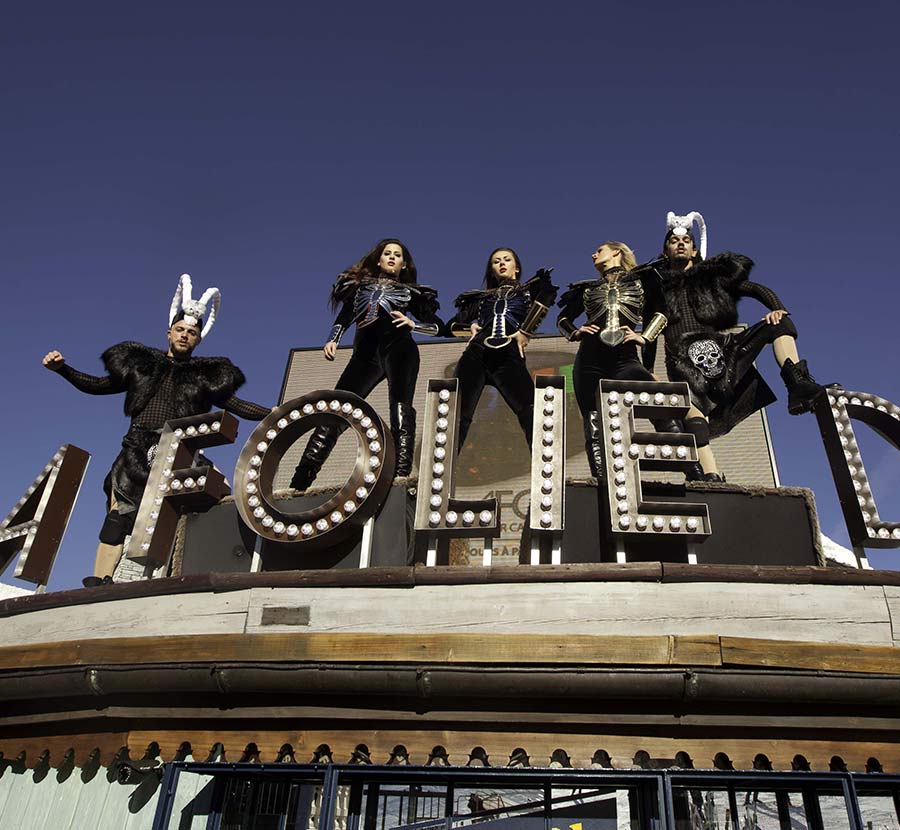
376	294
607	344
159	386
500	319
701	300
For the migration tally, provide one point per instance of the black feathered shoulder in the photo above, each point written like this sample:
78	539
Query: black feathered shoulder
343	288
574	292
540	287
425	300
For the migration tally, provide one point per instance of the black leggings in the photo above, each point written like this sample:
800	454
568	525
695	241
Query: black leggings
596	361
382	351
505	370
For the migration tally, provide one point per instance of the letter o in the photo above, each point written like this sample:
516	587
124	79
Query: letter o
343	514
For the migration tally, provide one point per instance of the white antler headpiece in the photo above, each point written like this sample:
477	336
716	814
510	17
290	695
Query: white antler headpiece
195	310
680	225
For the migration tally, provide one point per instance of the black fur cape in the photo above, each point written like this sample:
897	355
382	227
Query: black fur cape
200	382
710	287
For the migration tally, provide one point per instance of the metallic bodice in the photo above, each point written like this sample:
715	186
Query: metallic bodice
502	313
614	299
375	295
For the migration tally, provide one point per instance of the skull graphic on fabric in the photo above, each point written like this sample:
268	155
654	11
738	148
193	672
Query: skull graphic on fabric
708	357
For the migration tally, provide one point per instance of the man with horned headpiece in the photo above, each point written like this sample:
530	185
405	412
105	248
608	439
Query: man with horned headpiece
701	297
158	386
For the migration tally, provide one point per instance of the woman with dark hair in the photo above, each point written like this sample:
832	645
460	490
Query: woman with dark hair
377	294
500	319
607	343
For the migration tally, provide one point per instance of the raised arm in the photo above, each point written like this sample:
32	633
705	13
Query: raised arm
83	382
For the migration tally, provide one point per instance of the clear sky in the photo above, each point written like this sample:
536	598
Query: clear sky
264	147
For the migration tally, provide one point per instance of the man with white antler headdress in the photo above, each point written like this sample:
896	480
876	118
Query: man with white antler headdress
158	386
701	297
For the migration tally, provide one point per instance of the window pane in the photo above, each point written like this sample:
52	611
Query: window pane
490	807
386	806
766	810
878	812
699	809
833	807
597	808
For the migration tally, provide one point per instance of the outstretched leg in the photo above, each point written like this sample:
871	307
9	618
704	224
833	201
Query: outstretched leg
359	377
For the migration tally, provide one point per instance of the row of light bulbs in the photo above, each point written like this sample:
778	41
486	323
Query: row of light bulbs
615	402
438	469
356	418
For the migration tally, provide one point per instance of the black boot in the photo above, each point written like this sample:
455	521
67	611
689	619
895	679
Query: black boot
593	443
695	471
403	428
801	386
320	445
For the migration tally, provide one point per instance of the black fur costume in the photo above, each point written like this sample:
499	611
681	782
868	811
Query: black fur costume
157	389
492	356
701	302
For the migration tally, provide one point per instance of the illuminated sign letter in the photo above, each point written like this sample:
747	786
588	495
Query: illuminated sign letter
834	414
628	451
38	522
548	465
438	513
177	481
345	512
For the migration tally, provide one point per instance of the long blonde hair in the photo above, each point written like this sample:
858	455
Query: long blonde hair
629	260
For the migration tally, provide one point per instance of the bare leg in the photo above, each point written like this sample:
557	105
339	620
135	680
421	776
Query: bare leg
107	559
705	453
785	348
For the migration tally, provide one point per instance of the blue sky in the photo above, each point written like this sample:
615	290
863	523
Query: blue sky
263	148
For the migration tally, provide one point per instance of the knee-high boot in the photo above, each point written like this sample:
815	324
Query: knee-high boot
403	428
319	447
593	443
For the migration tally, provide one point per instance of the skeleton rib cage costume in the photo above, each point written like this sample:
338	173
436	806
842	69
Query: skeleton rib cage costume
618	298
381	351
492	355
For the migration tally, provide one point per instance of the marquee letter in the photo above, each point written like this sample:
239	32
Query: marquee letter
38	522
627	452
548	466
176	481
345	512
438	513
834	414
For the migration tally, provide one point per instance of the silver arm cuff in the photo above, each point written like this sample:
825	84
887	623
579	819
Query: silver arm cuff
426	328
337	332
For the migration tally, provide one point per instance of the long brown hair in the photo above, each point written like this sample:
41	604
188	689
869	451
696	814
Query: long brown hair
368	268
490	281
